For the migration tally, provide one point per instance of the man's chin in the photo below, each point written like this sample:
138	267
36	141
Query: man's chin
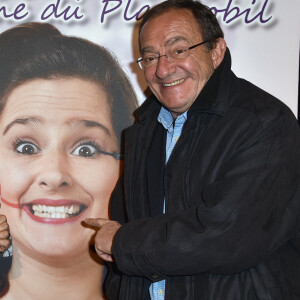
176	108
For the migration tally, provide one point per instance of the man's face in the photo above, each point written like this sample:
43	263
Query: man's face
176	83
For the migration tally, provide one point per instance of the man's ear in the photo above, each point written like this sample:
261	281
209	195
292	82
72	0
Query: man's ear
218	52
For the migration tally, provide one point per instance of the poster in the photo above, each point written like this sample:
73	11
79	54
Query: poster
263	37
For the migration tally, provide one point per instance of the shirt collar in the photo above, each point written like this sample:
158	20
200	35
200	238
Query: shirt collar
166	119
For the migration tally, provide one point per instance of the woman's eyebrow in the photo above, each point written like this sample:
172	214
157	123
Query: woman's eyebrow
89	123
35	120
24	121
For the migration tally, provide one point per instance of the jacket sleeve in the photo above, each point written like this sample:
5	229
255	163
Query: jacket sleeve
252	209
112	281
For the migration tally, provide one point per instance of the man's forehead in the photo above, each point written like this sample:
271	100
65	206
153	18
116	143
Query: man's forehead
168	43
175	17
170	27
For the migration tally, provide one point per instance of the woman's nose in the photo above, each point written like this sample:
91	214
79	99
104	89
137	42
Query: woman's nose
54	171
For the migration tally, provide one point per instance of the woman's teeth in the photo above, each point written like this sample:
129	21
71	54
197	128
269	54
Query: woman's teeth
57	212
173	83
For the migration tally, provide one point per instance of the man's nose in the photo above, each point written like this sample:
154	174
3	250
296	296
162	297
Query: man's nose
54	171
165	67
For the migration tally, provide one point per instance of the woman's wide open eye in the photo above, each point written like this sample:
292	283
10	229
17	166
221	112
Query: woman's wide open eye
85	150
27	148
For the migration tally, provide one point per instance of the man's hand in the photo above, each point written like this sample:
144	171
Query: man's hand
4	234
104	237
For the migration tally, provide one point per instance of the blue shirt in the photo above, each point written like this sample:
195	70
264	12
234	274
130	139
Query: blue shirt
174	128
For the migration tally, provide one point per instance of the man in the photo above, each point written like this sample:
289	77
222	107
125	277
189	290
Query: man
209	198
229	189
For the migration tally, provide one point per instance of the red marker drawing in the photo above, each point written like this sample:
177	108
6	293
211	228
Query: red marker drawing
2	200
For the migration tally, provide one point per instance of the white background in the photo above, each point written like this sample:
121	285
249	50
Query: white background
265	54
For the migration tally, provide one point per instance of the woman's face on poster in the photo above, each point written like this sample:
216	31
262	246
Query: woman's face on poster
53	173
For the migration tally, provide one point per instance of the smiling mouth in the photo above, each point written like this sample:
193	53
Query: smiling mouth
56	212
173	83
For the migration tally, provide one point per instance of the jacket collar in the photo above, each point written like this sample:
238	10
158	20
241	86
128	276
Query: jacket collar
212	99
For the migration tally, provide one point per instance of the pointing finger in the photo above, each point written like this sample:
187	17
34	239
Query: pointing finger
98	222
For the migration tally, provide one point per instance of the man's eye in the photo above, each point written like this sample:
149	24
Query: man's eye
149	59
178	52
27	148
85	151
